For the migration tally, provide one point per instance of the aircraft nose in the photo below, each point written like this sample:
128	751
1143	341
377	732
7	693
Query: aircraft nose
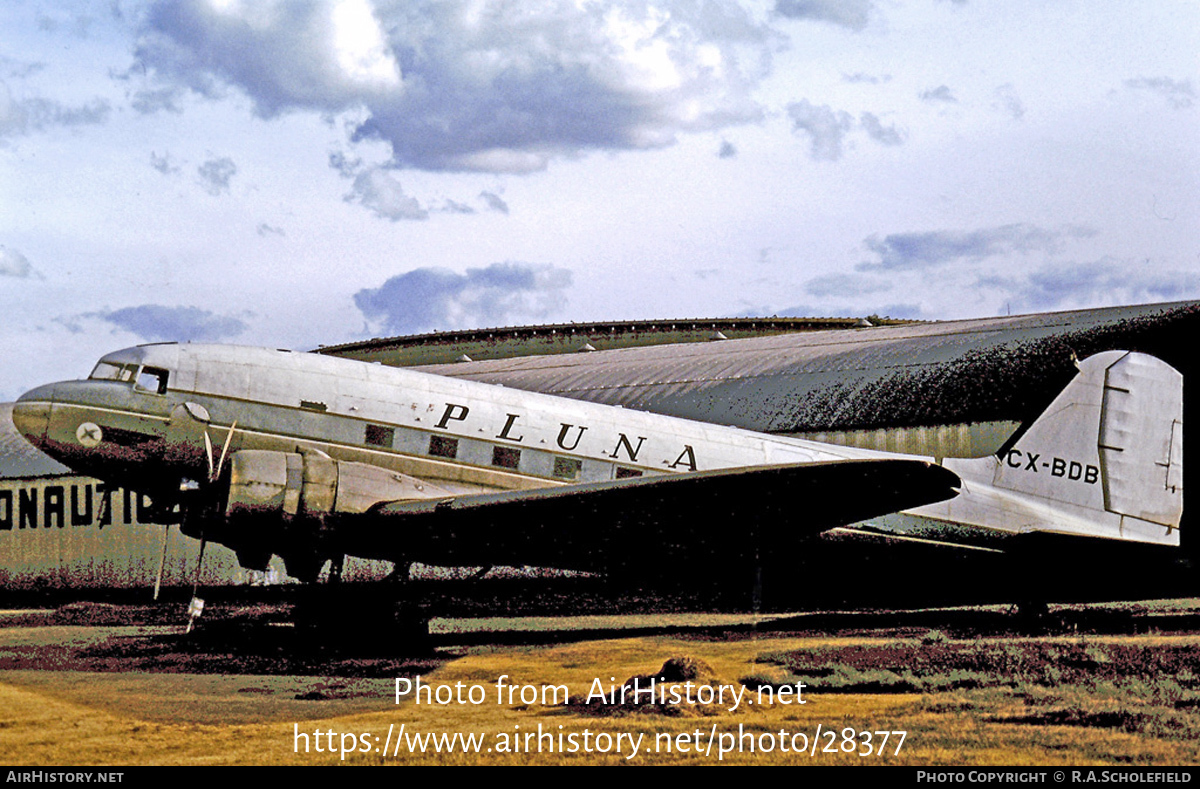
31	412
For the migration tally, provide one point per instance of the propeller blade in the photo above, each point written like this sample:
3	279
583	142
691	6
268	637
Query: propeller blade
209	453
225	449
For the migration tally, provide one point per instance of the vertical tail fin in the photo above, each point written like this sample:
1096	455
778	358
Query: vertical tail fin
1108	451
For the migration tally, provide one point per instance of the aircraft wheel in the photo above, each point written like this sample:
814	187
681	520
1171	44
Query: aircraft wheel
363	618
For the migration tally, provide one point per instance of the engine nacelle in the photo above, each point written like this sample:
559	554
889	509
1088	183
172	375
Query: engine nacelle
290	484
278	502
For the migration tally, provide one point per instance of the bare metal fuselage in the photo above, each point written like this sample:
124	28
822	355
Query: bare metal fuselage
163	419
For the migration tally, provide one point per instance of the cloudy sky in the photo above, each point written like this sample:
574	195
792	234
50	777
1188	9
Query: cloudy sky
302	173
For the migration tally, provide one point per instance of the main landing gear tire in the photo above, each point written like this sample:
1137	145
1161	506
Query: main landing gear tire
360	617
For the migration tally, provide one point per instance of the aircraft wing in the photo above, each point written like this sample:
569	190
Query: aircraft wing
706	517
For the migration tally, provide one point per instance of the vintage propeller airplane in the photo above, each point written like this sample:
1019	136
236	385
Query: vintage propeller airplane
312	458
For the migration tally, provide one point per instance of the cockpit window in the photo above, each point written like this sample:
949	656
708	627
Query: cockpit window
108	371
144	379
152	379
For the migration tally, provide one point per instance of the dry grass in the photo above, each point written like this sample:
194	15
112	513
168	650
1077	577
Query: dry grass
146	719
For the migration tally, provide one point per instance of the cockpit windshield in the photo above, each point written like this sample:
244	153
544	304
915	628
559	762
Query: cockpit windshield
110	371
145	379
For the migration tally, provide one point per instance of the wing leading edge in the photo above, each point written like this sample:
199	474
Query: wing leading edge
707	517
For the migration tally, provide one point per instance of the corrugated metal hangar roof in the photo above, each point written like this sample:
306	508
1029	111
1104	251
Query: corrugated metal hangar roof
924	374
558	338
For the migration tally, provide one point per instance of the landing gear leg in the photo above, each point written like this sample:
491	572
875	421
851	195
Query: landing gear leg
1033	616
411	616
1033	610
376	617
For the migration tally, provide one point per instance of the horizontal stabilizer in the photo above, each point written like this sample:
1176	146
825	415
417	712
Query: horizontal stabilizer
706	517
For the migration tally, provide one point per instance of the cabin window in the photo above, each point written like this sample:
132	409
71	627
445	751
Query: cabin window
443	447
313	405
152	379
568	468
506	457
380	436
626	473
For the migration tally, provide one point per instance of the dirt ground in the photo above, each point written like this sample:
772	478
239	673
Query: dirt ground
91	684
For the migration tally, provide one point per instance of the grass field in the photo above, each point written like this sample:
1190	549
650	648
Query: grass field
979	700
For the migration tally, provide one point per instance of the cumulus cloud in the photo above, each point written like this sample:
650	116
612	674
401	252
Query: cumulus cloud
77	19
455	207
459	85
908	251
1179	93
14	264
379	191
162	100
156	323
884	135
868	79
215	175
1008	102
345	165
901	311
827	128
265	230
844	285
941	93
494	202
824	125
1105	281
36	114
428	299
852	14
165	164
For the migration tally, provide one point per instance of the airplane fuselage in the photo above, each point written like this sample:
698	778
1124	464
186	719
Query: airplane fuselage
307	434
466	437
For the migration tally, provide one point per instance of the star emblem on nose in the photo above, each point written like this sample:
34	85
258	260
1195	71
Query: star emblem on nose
89	434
